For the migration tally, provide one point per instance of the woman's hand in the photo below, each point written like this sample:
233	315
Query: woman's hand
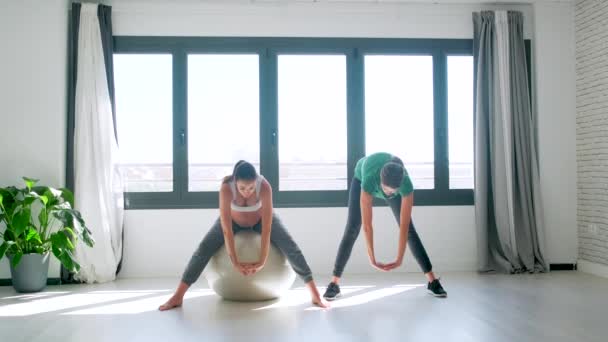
249	268
254	267
390	266
385	267
243	268
378	265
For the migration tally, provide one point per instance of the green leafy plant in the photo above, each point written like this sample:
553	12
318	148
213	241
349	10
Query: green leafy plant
40	219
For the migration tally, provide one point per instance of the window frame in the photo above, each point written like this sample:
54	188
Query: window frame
268	50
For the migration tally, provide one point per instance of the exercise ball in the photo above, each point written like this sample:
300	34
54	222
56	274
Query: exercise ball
274	279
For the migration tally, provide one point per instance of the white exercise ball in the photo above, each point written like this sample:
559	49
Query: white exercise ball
274	279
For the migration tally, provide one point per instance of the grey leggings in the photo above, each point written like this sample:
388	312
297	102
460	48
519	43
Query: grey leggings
214	240
353	227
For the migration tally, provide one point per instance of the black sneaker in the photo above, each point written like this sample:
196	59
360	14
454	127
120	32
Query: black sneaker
332	292
436	289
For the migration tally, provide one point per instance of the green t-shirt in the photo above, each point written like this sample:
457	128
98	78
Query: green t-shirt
368	170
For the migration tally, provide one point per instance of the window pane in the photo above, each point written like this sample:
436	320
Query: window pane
312	122
144	111
460	121
399	112
223	117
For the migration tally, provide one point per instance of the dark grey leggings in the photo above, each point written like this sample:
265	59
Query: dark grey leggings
214	240
353	227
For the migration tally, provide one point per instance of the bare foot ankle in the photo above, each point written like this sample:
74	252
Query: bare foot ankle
320	303
173	302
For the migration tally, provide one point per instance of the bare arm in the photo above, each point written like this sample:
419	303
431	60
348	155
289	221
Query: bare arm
266	198
226	221
404	229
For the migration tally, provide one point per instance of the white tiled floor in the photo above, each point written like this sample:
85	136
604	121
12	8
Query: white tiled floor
561	306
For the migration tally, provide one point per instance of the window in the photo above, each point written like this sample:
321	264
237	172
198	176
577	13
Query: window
223	116
399	113
312	122
302	110
144	113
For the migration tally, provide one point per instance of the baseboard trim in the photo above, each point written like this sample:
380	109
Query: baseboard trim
563	267
593	268
49	281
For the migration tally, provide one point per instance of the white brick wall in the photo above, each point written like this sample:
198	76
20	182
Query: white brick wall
592	128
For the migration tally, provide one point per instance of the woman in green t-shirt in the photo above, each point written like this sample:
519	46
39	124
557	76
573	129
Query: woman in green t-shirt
381	175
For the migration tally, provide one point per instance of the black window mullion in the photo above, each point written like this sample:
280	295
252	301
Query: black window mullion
440	109
356	111
180	123
269	153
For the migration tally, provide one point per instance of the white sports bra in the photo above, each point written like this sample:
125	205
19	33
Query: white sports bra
249	208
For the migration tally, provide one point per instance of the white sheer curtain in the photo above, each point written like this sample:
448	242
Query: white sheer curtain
98	184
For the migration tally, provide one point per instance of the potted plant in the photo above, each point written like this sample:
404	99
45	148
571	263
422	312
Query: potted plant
39	220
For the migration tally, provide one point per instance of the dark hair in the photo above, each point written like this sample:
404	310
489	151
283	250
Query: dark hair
392	172
242	171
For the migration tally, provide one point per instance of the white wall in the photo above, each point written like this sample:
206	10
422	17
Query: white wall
301	19
555	101
160	242
33	95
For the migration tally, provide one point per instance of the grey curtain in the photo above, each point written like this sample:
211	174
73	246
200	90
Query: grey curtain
104	13
507	197
74	25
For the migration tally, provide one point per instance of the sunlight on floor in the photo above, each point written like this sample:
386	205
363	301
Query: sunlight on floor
368	296
137	306
35	295
139	301
71	301
300	295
